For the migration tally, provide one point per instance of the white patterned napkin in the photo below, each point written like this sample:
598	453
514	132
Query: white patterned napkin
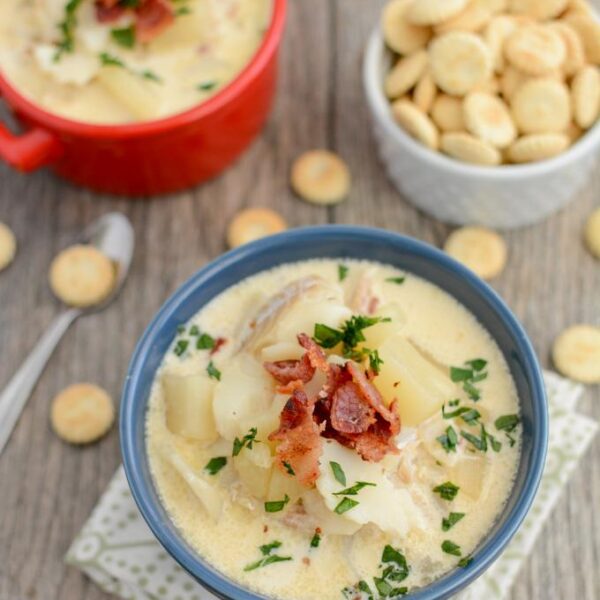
118	551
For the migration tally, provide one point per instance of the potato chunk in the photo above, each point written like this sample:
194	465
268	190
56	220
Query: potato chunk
253	467
188	402
419	387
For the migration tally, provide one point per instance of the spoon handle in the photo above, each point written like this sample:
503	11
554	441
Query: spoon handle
19	388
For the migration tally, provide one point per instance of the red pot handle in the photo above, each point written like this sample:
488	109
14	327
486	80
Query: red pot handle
30	150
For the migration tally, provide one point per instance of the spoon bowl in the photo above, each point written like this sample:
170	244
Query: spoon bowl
113	235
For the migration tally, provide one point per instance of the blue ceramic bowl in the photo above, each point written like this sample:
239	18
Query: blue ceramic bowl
335	242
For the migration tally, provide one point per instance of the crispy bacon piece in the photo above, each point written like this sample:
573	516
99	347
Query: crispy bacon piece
349	409
299	439
349	412
219	343
316	356
286	371
152	17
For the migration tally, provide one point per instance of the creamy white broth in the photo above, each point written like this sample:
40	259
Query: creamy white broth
190	61
449	335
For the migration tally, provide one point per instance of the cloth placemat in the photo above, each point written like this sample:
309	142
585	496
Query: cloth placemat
118	551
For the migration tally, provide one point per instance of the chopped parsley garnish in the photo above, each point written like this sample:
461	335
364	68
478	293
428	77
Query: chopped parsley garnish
375	362
353	491
268	558
465	561
467	414
396	280
316	540
454	402
205	342
448	440
246	442
206	86
451	520
180	328
67	29
194	330
151	75
447	491
183	10
124	37
350	335
110	60
276	505
470	376
395	570
180	347
481	443
213	372
214	465
507	423
266	549
288	468
338	472
345	505
451	548
342	272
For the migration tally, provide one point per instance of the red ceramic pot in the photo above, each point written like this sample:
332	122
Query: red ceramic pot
153	157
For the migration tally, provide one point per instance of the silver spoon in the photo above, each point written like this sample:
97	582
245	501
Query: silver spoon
113	235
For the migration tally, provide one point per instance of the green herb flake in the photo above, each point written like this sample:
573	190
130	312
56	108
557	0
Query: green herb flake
180	328
353	491
246	442
350	335
276	505
447	490
206	86
214	465
480	443
266	549
478	364
454	402
396	280
205	342
395	557
465	562
124	37
507	423
67	29
213	372
194	330
150	75
288	468
110	60
457	374
338	472
451	548
267	560
345	505
180	347
342	272
183	10
316	540
448	440
375	362
452	519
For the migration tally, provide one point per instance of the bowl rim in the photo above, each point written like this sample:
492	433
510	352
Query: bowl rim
203	110
380	110
140	486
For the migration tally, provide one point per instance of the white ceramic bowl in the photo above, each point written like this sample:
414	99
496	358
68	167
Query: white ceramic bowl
503	197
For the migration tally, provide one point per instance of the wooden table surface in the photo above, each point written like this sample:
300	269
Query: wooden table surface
47	488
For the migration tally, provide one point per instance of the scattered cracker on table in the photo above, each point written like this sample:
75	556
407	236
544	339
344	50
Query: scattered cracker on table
82	276
253	224
321	177
592	233
82	413
576	353
478	248
497	71
8	246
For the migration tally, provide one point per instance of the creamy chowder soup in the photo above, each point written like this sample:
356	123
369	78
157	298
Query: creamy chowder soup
323	429
121	61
